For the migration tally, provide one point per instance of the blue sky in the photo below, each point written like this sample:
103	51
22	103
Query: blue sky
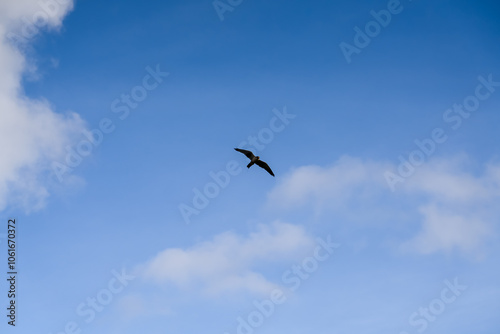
382	217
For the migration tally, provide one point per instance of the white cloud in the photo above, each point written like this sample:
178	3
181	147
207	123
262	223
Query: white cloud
32	134
26	18
330	187
461	208
449	181
445	229
227	263
456	208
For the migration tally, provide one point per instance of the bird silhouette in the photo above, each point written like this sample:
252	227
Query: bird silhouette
255	160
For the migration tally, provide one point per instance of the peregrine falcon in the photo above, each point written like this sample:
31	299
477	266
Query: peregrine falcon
255	160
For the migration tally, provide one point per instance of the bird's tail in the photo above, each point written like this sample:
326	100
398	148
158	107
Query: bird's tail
250	164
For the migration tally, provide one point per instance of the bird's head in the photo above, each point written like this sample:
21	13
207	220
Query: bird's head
258	157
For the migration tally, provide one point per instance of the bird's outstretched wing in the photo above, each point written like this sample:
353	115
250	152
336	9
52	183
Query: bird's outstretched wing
262	164
245	152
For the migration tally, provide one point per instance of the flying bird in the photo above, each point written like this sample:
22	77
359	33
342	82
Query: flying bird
255	160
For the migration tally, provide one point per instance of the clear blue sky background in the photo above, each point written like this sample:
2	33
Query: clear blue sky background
121	208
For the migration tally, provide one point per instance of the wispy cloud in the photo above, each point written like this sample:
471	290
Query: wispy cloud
328	187
227	263
444	229
460	209
454	206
